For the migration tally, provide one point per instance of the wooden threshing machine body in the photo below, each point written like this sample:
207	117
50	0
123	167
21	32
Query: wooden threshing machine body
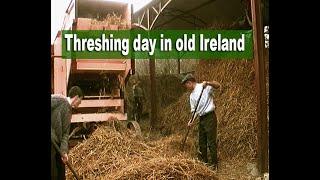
102	80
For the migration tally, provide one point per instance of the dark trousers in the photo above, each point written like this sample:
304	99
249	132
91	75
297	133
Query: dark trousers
137	108
208	137
57	166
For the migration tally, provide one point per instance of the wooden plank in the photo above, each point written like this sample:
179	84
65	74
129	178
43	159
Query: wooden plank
59	76
101	103
83	24
97	117
119	61
68	68
57	50
260	81
96	97
100	65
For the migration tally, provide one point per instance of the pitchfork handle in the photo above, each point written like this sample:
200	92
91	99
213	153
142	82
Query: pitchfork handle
189	127
68	163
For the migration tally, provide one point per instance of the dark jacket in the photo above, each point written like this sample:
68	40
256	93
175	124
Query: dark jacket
137	91
61	112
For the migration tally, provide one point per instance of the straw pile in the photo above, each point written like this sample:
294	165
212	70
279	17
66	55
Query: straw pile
165	168
236	108
110	19
176	116
109	154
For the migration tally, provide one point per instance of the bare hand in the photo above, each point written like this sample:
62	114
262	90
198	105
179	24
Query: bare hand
64	158
204	84
189	124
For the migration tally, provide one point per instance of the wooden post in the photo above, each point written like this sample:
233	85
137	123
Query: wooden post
153	98
260	81
178	61
153	89
148	18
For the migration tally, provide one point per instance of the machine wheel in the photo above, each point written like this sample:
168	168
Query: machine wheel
82	130
134	126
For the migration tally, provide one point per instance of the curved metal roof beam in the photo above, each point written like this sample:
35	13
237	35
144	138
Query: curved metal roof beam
153	9
160	10
149	16
139	26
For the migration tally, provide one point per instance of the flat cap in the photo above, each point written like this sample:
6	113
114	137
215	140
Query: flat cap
187	78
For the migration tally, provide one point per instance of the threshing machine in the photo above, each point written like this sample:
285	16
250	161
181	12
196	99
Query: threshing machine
101	80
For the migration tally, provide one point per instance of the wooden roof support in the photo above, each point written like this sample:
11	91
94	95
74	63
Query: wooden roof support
260	82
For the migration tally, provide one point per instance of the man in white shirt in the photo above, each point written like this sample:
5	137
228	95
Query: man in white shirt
206	112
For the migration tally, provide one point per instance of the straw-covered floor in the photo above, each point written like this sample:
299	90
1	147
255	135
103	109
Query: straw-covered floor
111	154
